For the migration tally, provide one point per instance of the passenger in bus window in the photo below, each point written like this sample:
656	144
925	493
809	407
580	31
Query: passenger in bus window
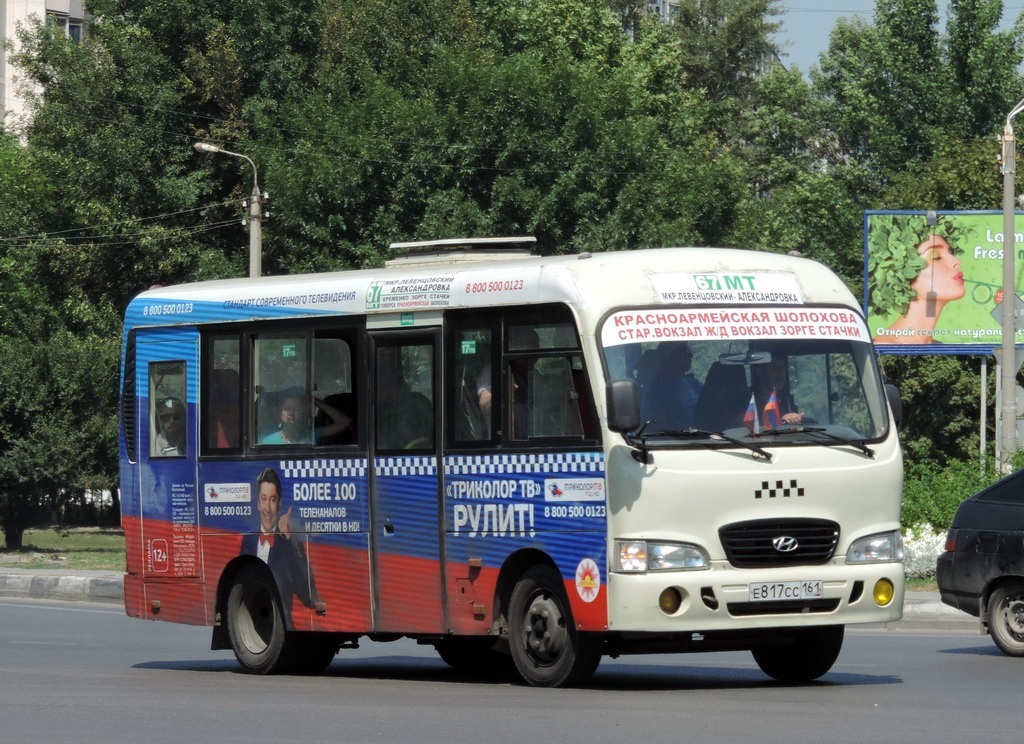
472	421
170	438
278	544
406	417
520	368
668	388
296	420
522	396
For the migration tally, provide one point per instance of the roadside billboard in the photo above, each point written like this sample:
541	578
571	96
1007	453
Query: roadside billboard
933	281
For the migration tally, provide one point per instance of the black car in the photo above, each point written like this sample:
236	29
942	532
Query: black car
982	570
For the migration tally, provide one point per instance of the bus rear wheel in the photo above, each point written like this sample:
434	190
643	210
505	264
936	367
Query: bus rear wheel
547	649
801	655
256	624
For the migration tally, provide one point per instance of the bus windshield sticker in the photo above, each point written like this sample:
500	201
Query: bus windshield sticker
633	326
746	287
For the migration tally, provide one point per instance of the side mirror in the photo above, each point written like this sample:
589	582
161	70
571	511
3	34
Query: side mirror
892	394
623	405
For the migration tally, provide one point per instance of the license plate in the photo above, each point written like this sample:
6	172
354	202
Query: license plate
778	591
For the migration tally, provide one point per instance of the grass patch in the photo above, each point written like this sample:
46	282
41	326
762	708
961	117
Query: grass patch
926	584
90	548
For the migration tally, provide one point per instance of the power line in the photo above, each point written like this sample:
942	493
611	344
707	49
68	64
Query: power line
115	224
74	237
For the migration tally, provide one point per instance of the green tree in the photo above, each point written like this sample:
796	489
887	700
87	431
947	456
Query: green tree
498	121
56	399
985	64
726	45
795	201
912	113
888	85
898	91
940	407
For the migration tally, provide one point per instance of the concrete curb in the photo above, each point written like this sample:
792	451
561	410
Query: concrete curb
926	608
82	586
919	608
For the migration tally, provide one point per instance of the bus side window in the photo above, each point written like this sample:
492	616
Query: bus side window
582	401
405	407
547	386
223	394
555	401
472	385
168	419
522	382
332	383
283	402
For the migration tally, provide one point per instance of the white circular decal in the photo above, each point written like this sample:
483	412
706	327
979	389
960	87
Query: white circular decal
588	580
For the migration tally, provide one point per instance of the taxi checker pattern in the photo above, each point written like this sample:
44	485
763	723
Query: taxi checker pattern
780	489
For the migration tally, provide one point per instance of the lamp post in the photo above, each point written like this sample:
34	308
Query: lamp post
1008	370
255	209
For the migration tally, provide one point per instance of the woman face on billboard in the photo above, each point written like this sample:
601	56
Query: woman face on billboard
941	279
937	284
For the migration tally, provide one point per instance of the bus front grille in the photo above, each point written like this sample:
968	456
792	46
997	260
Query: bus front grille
771	543
747	609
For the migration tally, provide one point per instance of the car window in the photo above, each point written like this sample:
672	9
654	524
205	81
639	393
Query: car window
1010	490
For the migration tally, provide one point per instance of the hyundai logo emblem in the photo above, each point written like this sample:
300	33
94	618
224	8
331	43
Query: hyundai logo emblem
785	544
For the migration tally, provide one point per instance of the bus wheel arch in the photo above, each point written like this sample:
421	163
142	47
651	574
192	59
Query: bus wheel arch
221	640
512	570
255	621
547	648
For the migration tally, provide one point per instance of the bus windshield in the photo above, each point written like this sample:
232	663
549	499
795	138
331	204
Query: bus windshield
764	381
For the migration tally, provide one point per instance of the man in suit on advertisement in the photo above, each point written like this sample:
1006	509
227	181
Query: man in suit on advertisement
277	545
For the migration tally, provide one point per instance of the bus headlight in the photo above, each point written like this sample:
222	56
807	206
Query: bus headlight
885	547
640	556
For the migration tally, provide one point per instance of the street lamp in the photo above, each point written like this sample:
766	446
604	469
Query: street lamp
1008	371
255	209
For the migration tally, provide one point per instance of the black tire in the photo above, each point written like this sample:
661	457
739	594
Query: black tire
801	655
1005	612
477	656
546	647
256	626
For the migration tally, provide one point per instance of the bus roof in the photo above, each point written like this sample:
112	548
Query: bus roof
591	282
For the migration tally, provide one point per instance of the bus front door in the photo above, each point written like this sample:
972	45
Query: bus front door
405	497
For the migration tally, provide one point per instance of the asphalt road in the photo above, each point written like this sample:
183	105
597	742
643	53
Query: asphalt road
83	672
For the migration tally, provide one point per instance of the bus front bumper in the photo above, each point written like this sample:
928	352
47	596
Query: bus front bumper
735	599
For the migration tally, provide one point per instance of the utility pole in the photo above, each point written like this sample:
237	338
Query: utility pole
255	204
255	230
1008	368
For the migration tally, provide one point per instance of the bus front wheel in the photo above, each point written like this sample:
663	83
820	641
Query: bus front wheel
547	649
801	655
256	624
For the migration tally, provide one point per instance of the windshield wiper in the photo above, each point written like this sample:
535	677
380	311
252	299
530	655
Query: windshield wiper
820	431
702	434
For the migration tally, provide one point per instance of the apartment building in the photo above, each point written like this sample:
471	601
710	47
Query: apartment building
67	15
